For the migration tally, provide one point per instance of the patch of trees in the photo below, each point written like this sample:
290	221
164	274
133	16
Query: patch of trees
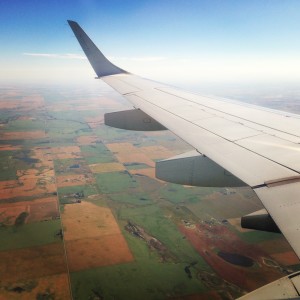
20	220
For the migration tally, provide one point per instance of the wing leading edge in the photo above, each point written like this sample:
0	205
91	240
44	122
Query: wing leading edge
259	146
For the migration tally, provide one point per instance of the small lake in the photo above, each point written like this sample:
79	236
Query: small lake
237	259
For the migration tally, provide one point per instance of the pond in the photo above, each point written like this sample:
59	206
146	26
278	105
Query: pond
236	259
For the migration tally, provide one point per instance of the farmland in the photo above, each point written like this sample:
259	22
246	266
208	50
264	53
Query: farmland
82	215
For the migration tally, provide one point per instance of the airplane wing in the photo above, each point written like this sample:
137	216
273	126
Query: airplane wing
256	146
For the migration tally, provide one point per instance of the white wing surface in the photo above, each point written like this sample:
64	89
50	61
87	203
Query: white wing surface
259	146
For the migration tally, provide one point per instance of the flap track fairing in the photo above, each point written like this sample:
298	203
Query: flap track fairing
195	169
133	119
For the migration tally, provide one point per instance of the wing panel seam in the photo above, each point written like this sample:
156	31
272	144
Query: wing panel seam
161	90
216	134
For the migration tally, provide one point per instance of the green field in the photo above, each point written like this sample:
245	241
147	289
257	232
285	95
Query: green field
70	166
53	95
147	279
115	182
256	237
154	221
97	153
179	194
25	125
12	161
72	115
136	166
29	235
135	199
66	129
110	135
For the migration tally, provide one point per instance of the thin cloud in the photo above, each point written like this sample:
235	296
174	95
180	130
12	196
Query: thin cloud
55	55
78	56
140	59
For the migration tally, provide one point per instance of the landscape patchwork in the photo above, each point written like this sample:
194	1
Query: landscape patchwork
82	215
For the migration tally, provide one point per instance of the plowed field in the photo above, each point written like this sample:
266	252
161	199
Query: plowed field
22	135
30	183
93	237
32	262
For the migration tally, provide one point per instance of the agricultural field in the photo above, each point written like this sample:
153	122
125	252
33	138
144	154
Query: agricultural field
82	215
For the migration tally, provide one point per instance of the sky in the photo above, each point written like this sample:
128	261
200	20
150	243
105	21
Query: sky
185	42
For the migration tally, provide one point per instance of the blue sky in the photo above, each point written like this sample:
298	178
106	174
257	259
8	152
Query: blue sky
190	41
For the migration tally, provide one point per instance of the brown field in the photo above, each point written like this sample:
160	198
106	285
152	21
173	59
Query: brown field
56	284
135	157
87	140
9	147
26	177
25	118
127	153
59	107
8	214
97	251
105	102
41	202
25	104
87	220
11	92
34	100
121	147
11	104
93	237
95	121
35	262
107	167
157	133
100	103
30	183
45	157
204	240
22	135
43	209
156	152
288	258
149	172
66	152
275	246
74	179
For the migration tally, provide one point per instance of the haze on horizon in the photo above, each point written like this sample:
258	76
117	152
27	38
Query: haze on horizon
189	43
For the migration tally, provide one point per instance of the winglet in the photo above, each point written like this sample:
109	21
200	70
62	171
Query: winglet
101	65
